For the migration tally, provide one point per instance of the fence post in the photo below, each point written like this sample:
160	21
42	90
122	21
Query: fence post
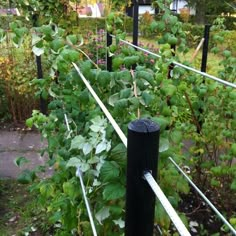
205	47
135	21
109	59
43	102
142	149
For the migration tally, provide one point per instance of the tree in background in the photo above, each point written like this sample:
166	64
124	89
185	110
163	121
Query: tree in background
211	7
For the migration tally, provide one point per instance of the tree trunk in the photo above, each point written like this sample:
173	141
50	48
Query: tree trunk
200	11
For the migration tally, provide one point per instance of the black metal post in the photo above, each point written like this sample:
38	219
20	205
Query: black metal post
205	47
171	66
109	59
129	11
135	21
43	102
143	146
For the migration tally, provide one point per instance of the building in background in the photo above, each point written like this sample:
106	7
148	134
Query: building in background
9	11
178	5
90	8
146	6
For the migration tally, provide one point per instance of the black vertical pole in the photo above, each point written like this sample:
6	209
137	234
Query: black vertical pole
43	103
171	66
205	47
129	11
109	59
143	146
135	21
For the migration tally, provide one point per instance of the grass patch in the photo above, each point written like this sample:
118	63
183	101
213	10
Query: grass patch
212	62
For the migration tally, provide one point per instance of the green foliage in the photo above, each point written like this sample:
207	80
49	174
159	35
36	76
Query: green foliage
186	106
16	92
145	21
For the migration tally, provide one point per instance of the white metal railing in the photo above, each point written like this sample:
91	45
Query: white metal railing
103	107
166	204
180	65
79	175
204	197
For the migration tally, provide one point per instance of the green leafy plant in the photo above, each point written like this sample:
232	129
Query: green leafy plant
185	105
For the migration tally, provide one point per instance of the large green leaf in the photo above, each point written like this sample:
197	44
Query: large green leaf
102	214
131	60
102	146
147	98
57	44
125	93
120	223
148	76
162	121
77	142
78	163
20	161
109	171
176	136
113	99
164	144
37	51
70	189
87	148
113	191
118	154
47	189
104	78
26	177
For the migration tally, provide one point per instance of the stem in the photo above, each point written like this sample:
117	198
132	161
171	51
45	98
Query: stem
195	120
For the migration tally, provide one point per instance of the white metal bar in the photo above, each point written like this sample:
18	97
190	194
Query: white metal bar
167	206
102	106
67	123
181	65
204	197
78	174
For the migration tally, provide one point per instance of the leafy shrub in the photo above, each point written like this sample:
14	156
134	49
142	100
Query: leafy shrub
185	105
230	41
194	34
229	21
145	21
17	70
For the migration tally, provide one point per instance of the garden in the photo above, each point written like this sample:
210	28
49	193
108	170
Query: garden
40	88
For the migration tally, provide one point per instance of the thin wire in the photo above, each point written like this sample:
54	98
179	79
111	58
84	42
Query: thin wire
102	106
78	174
181	65
204	197
167	206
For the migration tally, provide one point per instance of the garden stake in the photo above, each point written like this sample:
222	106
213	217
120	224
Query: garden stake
205	47
142	151
109	58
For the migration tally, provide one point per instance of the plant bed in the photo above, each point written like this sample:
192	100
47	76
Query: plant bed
202	219
19	216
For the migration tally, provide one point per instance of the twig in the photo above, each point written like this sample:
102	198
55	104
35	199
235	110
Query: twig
135	91
197	50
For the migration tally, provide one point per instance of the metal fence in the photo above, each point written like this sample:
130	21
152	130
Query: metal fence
142	148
